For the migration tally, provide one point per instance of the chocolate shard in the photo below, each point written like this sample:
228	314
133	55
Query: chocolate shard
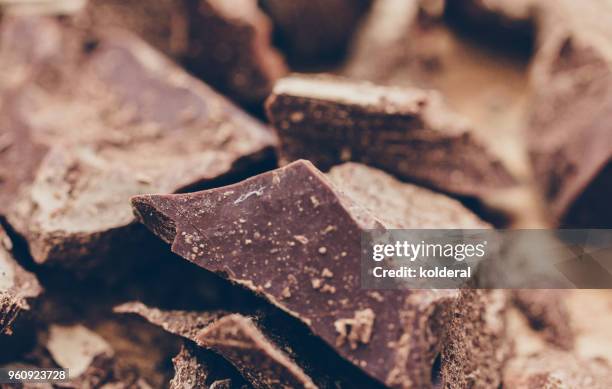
296	217
198	368
226	44
569	138
407	132
547	314
315	31
236	338
186	324
82	136
17	286
557	369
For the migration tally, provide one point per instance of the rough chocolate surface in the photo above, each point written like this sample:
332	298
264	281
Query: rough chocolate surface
297	214
94	135
407	132
237	339
17	286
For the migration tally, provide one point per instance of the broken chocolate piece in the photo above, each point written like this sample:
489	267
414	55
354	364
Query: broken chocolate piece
569	138
230	48
198	368
407	132
296	217
226	44
109	134
557	369
17	286
315	31
236	338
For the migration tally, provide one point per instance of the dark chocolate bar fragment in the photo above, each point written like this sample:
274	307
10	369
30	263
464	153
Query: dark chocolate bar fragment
556	370
17	286
315	31
227	44
569	136
236	338
407	132
100	117
198	368
297	218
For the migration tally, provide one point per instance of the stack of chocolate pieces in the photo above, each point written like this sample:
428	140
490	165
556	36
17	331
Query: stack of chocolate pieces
179	210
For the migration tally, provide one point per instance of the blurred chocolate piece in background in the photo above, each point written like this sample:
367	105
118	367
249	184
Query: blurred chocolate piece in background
570	135
100	117
226	44
407	132
556	369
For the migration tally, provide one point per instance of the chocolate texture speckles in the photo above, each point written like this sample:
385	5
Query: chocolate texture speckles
237	338
407	132
296	217
17	286
101	117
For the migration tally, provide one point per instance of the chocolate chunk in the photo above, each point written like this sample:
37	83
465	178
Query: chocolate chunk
198	368
182	323
17	286
315	31
230	48
569	138
407	132
547	314
102	117
557	369
295	217
236	338
226	44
